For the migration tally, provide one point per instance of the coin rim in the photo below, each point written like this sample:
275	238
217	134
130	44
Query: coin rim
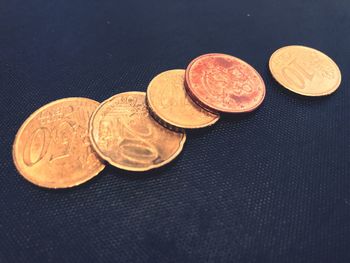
124	167
328	92
213	107
20	131
161	121
166	120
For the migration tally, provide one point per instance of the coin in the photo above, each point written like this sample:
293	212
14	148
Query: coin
124	134
168	101
224	83
305	71
52	147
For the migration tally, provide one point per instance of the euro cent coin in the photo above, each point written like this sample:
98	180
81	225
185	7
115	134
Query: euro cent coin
52	148
305	71
124	134
169	103
224	83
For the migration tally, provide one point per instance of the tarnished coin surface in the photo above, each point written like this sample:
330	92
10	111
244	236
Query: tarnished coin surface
305	71
52	148
124	134
169	103
224	83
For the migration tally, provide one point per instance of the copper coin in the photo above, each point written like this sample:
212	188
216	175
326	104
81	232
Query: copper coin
168	101
52	148
305	71
124	134
224	83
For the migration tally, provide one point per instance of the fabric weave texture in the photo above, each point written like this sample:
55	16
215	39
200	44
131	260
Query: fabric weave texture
269	186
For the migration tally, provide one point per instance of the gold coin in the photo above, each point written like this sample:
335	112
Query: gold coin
52	147
124	134
305	71
170	104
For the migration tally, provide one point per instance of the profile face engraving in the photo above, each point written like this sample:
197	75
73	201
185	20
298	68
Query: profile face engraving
124	134
224	83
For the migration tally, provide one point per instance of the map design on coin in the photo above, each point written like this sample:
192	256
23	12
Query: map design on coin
169	103
224	83
124	134
52	148
305	71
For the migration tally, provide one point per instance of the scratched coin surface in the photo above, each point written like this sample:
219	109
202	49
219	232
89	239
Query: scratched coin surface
305	71
168	101
52	148
224	83
124	134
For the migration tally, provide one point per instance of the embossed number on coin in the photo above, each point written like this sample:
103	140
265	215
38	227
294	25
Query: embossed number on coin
52	148
305	71
123	133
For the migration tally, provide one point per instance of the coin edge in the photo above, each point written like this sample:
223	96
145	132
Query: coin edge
331	91
166	121
195	98
20	131
122	167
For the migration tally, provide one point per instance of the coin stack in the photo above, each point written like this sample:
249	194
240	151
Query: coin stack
68	141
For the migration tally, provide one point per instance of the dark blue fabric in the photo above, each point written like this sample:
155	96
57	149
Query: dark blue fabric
270	186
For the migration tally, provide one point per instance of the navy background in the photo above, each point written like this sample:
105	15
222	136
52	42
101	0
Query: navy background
271	186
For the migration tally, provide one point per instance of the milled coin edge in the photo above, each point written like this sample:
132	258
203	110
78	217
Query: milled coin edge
168	123
123	167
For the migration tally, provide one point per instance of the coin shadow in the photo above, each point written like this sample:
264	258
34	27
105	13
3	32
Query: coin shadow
192	133
88	184
131	175
239	117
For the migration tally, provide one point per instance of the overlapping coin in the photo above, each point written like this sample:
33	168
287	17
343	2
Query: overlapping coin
124	134
224	83
62	144
305	71
52	148
170	105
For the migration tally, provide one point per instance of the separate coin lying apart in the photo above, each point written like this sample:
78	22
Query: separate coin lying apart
124	134
170	105
305	71
52	148
224	83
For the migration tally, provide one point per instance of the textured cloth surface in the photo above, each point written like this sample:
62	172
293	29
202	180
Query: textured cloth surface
270	186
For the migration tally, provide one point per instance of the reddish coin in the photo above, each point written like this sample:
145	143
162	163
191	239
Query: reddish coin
224	83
